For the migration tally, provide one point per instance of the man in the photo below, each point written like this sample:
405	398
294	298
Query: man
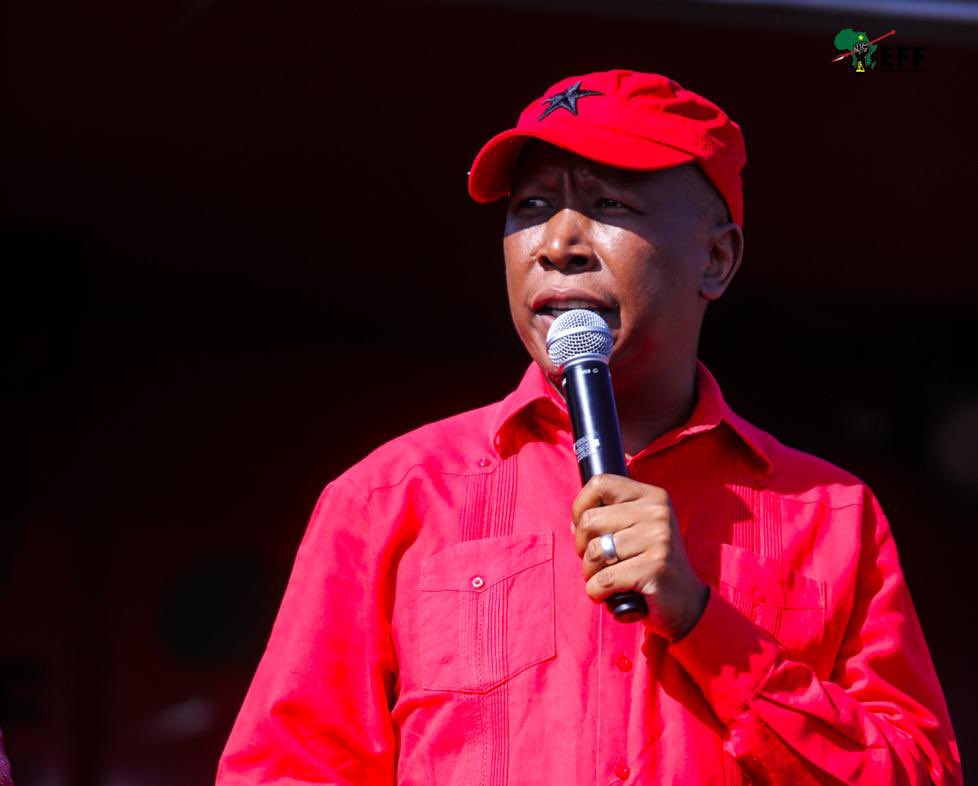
444	621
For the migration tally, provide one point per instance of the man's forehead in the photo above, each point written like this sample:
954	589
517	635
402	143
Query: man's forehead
539	161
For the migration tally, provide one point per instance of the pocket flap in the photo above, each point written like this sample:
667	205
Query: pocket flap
766	580
491	559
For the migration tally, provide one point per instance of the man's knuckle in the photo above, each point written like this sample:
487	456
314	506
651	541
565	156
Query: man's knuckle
663	513
660	495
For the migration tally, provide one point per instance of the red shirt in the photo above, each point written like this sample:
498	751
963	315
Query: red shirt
436	631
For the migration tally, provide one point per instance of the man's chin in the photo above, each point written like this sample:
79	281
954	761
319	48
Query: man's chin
537	347
535	341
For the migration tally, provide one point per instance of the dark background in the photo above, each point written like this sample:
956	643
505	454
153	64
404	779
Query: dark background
238	254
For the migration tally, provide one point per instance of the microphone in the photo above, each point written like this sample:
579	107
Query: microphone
579	345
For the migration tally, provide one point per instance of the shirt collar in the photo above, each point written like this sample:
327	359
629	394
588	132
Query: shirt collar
536	396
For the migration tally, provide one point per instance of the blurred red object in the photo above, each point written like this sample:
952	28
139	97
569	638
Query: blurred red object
5	779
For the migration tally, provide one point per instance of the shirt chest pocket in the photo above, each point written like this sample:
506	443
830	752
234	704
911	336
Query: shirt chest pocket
486	611
788	605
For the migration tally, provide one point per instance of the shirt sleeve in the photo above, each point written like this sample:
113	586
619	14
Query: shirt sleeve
317	710
879	719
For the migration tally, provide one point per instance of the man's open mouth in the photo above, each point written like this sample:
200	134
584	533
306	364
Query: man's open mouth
551	307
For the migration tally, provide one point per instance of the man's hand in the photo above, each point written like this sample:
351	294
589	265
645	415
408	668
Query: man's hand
652	557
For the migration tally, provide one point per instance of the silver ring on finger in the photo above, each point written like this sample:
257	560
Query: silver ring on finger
607	543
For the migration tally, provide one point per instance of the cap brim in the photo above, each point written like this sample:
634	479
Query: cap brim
489	178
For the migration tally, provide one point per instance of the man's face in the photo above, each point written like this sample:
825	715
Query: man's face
630	245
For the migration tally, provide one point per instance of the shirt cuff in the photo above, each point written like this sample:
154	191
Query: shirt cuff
728	657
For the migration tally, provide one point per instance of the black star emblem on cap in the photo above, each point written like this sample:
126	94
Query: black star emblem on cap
566	99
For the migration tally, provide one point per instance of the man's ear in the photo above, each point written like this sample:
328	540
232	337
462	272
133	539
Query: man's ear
726	249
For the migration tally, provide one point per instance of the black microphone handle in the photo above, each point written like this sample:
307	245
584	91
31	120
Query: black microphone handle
597	442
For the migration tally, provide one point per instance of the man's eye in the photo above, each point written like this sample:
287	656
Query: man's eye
531	202
608	202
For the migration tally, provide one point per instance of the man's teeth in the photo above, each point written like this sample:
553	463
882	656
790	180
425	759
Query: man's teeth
572	304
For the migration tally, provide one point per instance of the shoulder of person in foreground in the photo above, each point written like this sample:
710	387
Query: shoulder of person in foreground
5	779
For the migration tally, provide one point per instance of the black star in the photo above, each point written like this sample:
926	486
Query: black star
566	100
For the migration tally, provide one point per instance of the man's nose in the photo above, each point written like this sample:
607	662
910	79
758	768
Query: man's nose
566	243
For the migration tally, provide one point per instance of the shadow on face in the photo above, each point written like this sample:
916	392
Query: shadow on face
675	194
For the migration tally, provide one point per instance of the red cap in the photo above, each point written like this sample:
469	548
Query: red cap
627	120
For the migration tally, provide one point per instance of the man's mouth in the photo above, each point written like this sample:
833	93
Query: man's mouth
549	307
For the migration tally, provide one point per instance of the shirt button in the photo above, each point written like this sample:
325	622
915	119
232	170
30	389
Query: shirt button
484	462
622	771
759	596
623	663
478	582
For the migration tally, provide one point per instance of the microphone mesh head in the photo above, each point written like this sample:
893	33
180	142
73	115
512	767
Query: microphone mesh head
578	332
